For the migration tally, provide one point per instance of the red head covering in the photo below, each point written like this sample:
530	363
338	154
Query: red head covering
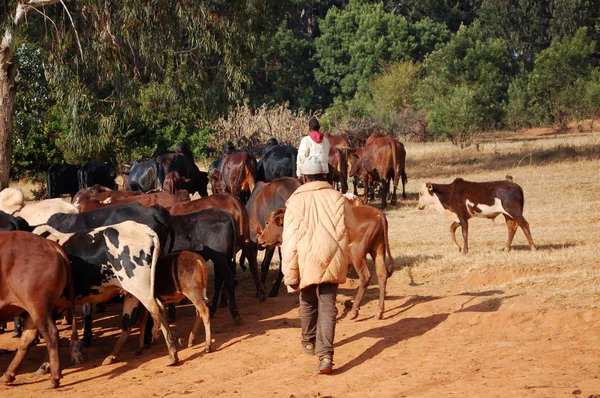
316	136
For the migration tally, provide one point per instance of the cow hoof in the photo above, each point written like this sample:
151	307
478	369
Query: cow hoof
207	349
172	361
180	341
6	379
352	314
237	320
262	296
52	384
379	315
42	370
108	361
138	352
273	293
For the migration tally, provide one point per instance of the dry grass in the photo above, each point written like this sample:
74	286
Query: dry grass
562	194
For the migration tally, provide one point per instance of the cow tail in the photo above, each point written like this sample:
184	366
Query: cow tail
235	234
390	260
155	255
50	185
75	346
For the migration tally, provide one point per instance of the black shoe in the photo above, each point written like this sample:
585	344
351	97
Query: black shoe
325	366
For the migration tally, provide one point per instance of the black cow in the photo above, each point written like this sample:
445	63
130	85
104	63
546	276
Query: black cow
145	176
277	161
94	173
61	179
211	233
12	223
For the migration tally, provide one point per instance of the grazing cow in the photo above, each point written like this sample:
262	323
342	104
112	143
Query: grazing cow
61	179
211	233
371	238
338	168
233	206
238	174
163	199
462	200
266	198
145	176
11	200
277	161
12	223
383	160
180	275
103	194
93	173
109	259
34	273
39	213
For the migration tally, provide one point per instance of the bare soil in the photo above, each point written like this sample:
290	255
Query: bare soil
490	324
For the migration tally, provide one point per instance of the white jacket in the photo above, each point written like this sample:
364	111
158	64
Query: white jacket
318	150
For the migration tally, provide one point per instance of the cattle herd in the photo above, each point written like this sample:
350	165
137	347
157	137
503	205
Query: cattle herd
149	242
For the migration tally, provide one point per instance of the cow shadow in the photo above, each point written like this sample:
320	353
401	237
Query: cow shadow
547	247
489	305
389	336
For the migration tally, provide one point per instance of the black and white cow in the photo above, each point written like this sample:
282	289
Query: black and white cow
462	200
109	259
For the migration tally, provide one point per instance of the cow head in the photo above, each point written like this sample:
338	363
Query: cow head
354	161
272	232
215	183
427	197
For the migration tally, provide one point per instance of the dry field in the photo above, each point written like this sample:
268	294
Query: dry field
489	324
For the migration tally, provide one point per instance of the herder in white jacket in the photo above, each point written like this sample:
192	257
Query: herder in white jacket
314	144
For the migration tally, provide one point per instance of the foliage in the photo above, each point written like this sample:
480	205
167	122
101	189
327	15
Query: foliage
560	74
34	134
251	129
450	13
355	42
476	70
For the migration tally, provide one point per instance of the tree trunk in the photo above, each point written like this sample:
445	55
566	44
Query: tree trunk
8	91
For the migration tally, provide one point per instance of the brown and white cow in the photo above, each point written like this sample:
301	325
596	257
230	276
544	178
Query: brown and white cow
462	200
371	238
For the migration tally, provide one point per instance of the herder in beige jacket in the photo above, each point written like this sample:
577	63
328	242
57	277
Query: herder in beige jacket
317	229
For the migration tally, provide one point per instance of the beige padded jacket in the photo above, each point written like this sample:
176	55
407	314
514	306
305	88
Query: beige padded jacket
317	228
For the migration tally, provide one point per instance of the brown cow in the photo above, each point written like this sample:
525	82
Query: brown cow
237	175
100	193
372	238
175	182
34	273
163	199
383	160
266	198
180	275
338	169
231	205
462	200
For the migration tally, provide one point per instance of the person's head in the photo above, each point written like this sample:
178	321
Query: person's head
313	124
312	170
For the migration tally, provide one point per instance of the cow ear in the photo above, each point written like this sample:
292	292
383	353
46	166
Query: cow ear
279	214
429	187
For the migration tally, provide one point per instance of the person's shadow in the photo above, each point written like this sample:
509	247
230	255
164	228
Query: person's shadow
389	336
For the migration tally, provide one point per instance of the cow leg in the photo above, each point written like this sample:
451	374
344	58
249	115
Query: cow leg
382	276
395	188
145	334
171	312
275	289
202	313
251	251
218	287
464	225
130	315
27	338
18	329
230	284
365	278
355	185
158	314
525	227
264	268
384	193
512	229
453	229
87	324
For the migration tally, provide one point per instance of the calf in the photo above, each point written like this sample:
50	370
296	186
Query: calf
181	275
109	259
211	233
61	179
462	200
39	213
33	274
371	238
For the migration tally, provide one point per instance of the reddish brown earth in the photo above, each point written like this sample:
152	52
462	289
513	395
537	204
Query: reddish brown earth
431	343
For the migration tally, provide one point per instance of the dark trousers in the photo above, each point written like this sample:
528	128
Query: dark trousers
318	313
